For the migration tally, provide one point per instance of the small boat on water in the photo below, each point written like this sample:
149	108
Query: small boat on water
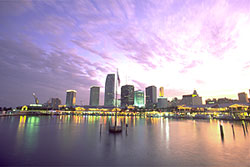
115	129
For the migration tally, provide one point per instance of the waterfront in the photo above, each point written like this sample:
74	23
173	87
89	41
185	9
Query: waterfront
76	140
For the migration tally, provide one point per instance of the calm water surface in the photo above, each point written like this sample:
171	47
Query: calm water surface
76	140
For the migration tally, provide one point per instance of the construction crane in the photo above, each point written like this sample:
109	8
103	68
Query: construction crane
36	99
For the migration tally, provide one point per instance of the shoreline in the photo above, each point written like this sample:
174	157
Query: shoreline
123	115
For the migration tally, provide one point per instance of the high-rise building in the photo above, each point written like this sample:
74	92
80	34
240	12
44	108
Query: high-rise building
151	96
161	92
193	99
127	95
94	96
139	98
243	98
71	98
109	90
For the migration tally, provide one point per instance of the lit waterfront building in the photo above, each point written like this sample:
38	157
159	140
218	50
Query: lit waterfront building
161	92
127	95
243	98
70	98
193	99
151	96
139	98
109	90
94	96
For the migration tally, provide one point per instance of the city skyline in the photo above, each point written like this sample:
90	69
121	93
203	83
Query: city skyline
47	48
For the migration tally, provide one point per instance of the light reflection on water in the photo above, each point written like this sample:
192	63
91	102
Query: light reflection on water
77	140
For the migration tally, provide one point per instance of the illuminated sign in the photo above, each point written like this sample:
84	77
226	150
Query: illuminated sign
36	105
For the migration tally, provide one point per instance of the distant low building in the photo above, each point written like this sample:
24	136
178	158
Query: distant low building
226	100
162	102
53	103
243	98
192	99
175	102
211	101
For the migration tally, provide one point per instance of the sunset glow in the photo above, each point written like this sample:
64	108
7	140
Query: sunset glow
48	47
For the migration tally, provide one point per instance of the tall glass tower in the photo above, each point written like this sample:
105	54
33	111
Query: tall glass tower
70	98
151	96
109	90
139	98
161	92
94	96
127	95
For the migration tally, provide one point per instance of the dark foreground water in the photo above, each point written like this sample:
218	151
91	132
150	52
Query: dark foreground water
76	140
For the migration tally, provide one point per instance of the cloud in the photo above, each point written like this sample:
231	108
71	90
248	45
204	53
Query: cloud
75	44
90	49
193	64
48	73
139	85
53	24
175	92
15	8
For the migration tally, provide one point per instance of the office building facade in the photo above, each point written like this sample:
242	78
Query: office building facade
70	98
139	98
127	95
151	96
94	96
193	99
109	90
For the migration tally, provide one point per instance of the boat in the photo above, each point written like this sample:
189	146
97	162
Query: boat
115	129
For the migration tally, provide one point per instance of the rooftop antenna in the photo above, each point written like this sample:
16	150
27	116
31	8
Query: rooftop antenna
126	79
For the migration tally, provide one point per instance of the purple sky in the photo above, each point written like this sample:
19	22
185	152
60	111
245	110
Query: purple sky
48	47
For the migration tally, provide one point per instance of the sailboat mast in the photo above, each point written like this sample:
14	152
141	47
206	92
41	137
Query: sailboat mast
116	98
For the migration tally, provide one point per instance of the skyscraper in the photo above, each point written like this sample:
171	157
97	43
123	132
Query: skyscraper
150	96
94	96
161	92
243	98
71	98
127	95
139	98
109	90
